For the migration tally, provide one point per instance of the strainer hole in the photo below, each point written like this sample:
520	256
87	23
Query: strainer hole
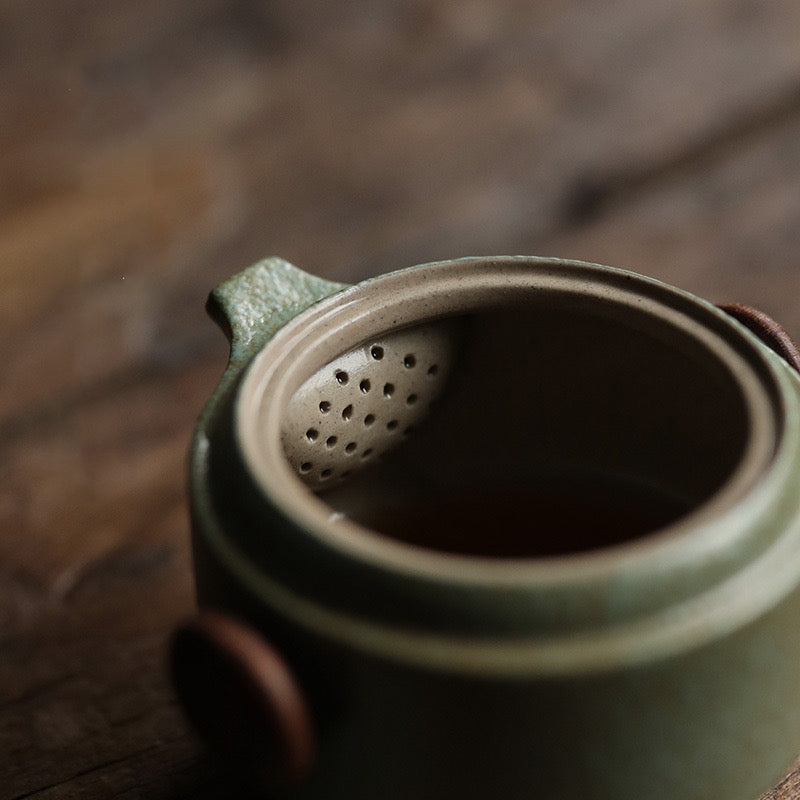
325	474
331	441
411	399
347	413
433	370
324	407
342	377
410	361
350	447
367	453
391	425
388	389
365	386
376	352
306	466
312	434
369	420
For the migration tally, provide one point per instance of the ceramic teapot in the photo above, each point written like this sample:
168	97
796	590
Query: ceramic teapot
496	527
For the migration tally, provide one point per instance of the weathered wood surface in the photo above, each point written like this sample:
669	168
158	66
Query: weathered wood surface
152	148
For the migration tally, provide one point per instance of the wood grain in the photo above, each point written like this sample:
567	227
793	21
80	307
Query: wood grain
151	149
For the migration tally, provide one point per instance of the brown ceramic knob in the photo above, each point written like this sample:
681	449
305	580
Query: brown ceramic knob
769	331
242	698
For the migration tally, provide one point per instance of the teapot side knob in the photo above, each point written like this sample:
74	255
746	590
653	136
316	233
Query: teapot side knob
767	329
242	698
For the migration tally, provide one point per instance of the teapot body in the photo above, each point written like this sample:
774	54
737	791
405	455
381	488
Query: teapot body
667	667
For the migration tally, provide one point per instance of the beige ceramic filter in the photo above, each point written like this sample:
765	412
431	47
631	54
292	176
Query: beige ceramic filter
363	404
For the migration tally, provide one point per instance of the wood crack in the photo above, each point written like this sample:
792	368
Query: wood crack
88	771
589	195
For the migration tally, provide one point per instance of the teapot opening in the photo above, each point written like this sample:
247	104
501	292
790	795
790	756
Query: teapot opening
557	430
507	409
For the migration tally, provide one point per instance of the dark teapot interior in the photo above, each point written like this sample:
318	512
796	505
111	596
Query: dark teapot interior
564	427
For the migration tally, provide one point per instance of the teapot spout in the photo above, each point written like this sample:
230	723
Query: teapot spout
252	306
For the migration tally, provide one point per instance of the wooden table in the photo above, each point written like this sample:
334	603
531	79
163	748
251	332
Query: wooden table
150	149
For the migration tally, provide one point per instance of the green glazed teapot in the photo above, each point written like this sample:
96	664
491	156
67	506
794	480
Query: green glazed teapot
496	528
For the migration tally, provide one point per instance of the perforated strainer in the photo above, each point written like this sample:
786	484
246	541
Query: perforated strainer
365	402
